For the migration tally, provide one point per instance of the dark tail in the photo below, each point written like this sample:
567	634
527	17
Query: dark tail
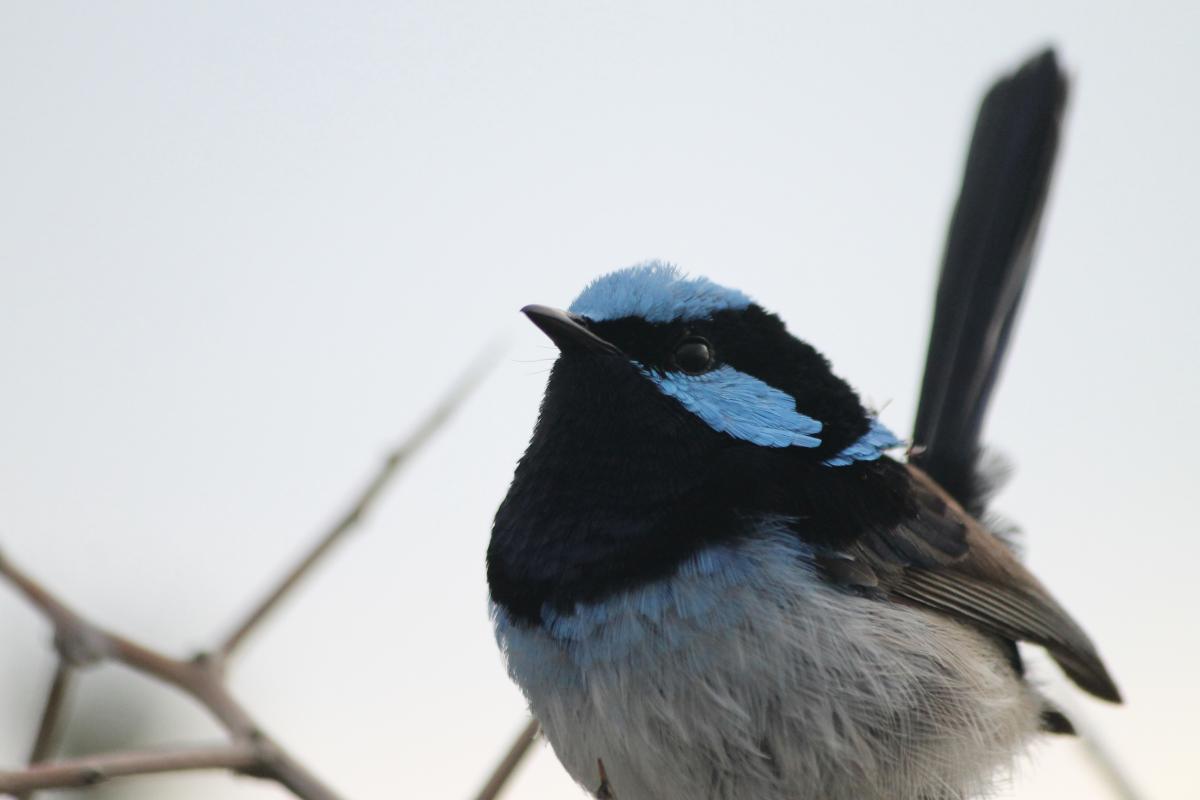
984	270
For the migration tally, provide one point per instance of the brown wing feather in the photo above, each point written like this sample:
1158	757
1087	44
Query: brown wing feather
945	560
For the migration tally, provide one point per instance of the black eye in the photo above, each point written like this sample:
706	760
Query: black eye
694	356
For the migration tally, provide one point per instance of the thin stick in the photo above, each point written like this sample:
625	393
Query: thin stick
91	770
47	734
454	398
1103	760
1106	764
52	712
508	764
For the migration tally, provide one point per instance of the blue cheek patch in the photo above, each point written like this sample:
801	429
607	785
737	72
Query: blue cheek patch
656	292
740	405
870	446
747	408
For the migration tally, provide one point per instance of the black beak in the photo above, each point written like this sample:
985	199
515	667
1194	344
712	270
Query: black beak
567	330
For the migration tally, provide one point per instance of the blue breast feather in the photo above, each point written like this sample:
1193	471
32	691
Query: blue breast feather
656	292
640	625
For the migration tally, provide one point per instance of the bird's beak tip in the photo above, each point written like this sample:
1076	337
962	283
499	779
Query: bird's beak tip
533	311
566	330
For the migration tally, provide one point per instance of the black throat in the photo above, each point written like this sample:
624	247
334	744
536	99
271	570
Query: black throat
620	484
611	461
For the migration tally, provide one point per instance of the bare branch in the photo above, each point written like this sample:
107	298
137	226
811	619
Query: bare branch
1103	759
52	712
81	641
90	770
289	773
454	398
508	764
77	642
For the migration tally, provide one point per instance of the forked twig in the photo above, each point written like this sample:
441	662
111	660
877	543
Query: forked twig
83	642
249	750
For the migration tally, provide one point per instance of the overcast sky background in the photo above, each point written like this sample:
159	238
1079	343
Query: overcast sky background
244	246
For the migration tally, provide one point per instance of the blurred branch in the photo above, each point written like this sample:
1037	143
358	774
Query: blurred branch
1108	766
52	712
91	770
249	750
390	467
508	764
1096	750
81	642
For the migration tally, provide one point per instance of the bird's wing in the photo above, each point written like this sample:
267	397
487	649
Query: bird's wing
943	559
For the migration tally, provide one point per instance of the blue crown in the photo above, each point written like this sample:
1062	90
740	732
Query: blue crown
656	292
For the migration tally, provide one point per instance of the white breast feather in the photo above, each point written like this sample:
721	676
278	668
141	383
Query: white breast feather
746	677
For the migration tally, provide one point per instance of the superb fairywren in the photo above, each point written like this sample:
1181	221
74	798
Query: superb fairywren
714	576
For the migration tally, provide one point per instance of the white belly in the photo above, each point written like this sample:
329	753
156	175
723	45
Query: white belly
744	677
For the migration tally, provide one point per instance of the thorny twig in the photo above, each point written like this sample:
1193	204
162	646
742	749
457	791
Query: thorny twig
249	751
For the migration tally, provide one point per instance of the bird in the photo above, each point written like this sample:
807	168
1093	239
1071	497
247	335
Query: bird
718	574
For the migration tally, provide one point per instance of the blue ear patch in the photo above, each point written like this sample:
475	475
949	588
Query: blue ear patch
747	408
740	405
656	292
869	446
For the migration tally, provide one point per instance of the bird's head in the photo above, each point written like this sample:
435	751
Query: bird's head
715	355
677	411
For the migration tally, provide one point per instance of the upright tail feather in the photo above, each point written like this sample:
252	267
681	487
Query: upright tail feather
985	267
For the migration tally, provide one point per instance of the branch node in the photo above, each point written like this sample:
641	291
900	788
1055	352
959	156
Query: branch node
210	664
78	643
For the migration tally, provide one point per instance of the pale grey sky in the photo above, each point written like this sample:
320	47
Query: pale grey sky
243	246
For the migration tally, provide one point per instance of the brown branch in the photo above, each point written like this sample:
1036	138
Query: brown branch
509	763
90	770
396	459
52	712
81	642
77	641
